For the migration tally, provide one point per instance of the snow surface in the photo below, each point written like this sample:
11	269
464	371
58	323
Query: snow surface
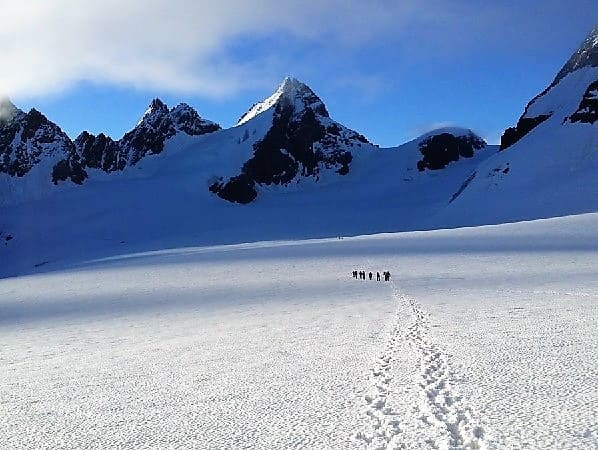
164	202
486	338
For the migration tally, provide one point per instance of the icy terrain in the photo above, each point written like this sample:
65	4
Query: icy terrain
485	338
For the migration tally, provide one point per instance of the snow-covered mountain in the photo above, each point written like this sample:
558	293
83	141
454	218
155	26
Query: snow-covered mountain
27	139
548	162
300	140
157	125
302	173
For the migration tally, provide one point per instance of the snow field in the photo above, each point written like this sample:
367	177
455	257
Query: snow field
485	339
244	349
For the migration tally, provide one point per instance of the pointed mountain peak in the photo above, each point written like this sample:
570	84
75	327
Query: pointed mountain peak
187	119
290	91
585	56
156	106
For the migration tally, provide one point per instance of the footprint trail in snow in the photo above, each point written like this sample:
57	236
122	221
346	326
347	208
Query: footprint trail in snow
429	412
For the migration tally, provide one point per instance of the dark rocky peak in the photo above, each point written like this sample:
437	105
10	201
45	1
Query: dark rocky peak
156	106
301	97
155	113
301	142
442	147
157	125
27	138
187	120
585	56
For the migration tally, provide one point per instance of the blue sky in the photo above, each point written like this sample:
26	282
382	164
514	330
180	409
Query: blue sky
388	69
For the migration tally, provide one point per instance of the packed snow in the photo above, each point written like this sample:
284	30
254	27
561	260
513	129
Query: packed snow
484	338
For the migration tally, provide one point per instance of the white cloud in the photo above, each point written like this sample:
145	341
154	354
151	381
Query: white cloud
172	44
185	45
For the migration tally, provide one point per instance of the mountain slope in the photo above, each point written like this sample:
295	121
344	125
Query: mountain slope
548	162
301	141
28	138
157	125
36	155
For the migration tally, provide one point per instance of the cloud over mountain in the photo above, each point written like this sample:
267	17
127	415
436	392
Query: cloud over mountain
188	46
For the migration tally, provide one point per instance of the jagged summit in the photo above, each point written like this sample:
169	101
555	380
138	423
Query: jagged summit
149	136
156	106
585	56
290	91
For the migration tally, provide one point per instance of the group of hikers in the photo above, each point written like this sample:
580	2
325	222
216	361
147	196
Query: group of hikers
361	275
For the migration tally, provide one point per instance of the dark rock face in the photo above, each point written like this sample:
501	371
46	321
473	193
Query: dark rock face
287	146
587	112
524	125
100	152
27	138
441	149
69	168
300	143
239	189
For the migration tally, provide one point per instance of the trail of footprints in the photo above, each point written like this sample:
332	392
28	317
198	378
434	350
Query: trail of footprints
383	422
438	407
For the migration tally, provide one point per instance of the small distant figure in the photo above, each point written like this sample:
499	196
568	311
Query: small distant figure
377	276
371	275
355	274
387	276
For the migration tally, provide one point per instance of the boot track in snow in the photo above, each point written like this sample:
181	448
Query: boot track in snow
441	412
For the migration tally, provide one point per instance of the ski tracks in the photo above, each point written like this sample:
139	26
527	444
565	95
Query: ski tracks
435	415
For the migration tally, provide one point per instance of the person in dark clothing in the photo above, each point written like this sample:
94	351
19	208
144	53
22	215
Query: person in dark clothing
371	275
377	276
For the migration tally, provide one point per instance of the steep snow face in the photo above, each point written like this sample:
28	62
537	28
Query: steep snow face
301	141
550	159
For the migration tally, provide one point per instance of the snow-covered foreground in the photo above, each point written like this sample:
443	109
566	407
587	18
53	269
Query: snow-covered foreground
486	338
